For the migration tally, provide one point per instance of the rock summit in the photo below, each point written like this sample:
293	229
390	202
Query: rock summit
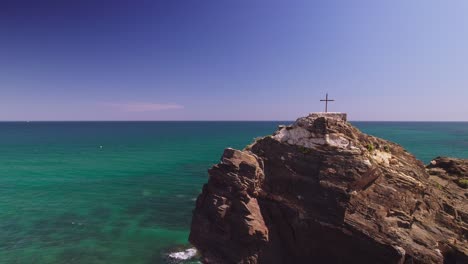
321	191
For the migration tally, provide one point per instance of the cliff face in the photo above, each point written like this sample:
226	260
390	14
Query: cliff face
320	191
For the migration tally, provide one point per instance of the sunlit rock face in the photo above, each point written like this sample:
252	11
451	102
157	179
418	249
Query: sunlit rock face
321	191
312	131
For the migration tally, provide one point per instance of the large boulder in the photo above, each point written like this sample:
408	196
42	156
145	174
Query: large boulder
321	191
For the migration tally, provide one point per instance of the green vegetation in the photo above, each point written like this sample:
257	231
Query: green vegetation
439	186
304	150
370	147
249	147
463	183
386	148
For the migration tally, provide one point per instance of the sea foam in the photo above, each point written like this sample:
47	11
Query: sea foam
183	255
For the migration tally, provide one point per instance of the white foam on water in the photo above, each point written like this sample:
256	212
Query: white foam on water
184	255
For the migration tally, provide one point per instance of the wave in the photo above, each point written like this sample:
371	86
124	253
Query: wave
183	255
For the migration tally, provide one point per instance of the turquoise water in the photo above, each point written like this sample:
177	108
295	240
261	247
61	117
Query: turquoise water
425	140
123	192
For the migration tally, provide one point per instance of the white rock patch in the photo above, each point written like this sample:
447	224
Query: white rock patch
381	157
302	137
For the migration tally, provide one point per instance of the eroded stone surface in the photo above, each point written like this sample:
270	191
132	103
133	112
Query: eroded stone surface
320	191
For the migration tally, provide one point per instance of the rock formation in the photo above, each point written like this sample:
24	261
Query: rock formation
321	191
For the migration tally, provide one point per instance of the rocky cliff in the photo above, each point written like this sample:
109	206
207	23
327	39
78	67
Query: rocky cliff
321	191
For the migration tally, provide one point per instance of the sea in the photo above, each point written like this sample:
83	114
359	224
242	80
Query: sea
123	192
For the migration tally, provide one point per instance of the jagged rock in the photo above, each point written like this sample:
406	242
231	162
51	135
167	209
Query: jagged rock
450	176
450	169
320	191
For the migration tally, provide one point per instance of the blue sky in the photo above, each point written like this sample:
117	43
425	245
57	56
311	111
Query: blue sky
232	60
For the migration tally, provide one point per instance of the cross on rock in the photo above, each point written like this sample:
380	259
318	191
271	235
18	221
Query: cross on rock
326	100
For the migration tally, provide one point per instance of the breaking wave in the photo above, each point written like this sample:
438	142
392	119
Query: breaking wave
183	255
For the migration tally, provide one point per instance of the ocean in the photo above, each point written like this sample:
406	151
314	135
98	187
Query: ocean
123	192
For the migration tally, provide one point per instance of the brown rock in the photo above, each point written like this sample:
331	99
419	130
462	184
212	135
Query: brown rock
320	191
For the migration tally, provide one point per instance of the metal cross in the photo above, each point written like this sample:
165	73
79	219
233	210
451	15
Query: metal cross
326	100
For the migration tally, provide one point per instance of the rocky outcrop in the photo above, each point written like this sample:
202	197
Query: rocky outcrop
449	171
450	176
320	191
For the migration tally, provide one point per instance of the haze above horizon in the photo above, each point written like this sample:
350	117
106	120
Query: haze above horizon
232	60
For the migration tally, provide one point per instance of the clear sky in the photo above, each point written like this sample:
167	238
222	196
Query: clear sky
232	60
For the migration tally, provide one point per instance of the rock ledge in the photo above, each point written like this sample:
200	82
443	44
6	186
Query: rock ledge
321	191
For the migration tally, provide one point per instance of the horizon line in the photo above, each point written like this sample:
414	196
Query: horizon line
215	120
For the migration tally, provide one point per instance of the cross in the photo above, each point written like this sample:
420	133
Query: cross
326	102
